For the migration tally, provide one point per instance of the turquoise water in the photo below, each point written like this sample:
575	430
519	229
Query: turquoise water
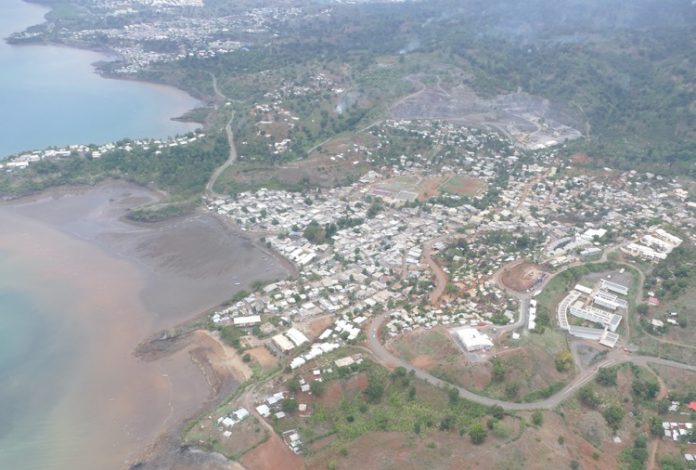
34	351
51	95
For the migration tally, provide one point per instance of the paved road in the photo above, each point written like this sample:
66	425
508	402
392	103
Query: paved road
616	357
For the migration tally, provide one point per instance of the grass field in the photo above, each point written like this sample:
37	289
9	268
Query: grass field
463	186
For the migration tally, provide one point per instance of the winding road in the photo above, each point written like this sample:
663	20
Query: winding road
232	157
616	357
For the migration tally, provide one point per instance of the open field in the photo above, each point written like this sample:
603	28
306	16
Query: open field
463	186
685	307
414	186
405	187
677	380
246	436
296	176
528	364
510	445
272	454
263	357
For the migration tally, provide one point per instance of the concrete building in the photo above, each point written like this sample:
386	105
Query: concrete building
473	340
296	336
244	322
283	344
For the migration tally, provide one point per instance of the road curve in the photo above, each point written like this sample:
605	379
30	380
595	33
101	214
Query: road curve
617	357
231	158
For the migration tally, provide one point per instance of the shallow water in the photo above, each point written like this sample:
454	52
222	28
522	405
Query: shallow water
79	289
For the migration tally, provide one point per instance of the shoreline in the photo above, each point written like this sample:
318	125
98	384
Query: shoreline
216	368
202	102
102	50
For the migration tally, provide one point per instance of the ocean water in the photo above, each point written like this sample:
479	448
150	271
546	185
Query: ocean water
35	349
51	95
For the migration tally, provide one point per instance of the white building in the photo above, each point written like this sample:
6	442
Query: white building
247	321
296	336
473	340
283	344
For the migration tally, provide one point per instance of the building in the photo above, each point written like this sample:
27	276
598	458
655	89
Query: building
296	336
473	340
283	344
245	322
614	287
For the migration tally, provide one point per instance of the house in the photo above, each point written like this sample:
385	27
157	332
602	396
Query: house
264	410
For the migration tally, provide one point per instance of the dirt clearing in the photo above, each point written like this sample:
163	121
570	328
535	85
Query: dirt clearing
271	455
523	276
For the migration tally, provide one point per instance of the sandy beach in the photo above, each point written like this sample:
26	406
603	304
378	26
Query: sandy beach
127	282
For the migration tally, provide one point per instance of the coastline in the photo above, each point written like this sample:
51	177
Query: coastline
184	382
99	70
102	50
99	67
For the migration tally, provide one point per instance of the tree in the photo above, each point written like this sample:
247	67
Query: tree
606	376
289	405
663	406
497	412
563	360
447	423
315	233
374	390
645	389
453	395
498	371
588	397
399	372
537	418
512	389
317	388
613	415
246	357
642	309
656	427
477	433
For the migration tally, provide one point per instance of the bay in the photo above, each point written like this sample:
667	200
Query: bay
51	96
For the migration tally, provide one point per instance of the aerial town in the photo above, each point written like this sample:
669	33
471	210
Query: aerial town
388	250
466	272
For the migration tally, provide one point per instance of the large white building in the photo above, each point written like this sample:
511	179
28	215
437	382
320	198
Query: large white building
473	340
